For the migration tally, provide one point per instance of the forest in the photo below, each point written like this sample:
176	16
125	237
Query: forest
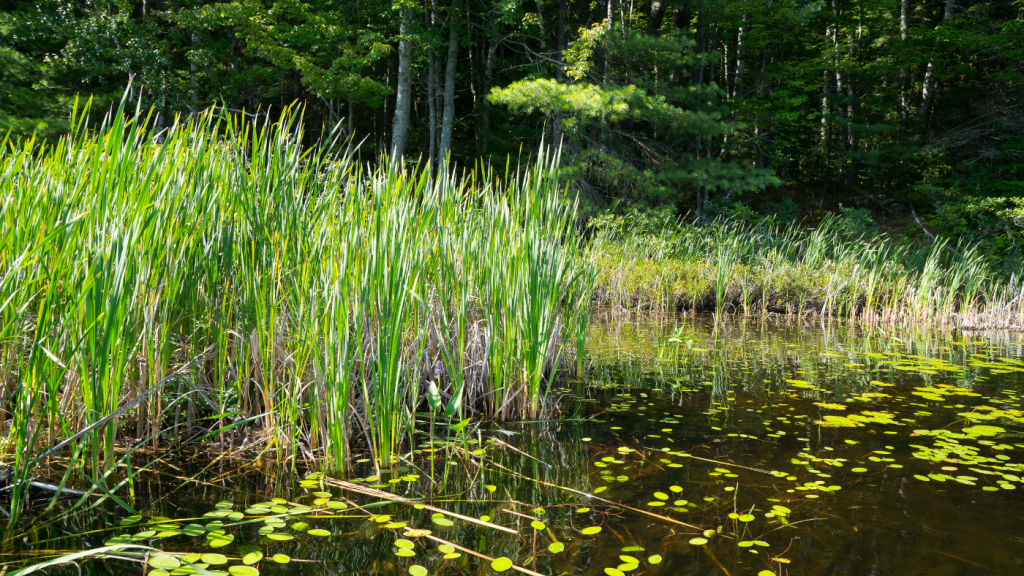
908	113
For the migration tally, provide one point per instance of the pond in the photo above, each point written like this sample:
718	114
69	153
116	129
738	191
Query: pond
754	448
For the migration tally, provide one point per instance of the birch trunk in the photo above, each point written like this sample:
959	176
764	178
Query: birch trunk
403	92
432	92
448	117
485	110
928	90
737	81
657	16
905	75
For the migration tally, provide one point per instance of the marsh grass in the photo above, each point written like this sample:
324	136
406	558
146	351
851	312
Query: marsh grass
735	268
312	297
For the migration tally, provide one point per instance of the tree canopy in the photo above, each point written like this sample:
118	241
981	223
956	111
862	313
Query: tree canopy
701	106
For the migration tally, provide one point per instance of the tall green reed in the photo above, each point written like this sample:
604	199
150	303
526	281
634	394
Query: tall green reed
307	296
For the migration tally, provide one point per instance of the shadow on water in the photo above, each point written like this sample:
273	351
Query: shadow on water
758	446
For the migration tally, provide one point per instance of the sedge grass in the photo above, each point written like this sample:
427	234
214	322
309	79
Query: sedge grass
731	266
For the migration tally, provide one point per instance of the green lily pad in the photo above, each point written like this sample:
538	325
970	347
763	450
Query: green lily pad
193	530
220	540
214	559
164	562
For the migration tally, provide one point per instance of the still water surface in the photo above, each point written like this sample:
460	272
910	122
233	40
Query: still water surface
807	450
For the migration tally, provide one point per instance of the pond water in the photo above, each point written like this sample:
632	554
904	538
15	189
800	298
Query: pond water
759	446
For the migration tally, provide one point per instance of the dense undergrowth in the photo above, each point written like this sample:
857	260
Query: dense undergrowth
219	277
732	267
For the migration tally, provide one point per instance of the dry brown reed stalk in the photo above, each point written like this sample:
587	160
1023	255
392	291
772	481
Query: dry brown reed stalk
594	497
479	555
386	496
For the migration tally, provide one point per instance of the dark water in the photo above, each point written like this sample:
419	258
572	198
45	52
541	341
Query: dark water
807	450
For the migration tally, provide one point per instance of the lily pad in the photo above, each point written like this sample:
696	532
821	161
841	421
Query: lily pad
214	559
164	562
501	564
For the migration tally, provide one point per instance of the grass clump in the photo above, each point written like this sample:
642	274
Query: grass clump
831	270
219	276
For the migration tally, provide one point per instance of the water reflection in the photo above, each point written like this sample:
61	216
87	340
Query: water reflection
805	450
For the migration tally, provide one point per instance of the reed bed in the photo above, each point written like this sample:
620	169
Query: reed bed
219	279
731	267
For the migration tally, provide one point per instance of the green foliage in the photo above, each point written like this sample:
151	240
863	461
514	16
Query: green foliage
580	101
857	222
579	55
784	211
310	38
637	137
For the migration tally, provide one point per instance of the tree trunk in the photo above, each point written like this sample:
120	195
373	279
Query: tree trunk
737	81
928	91
680	19
234	52
905	74
851	138
432	93
839	74
485	110
403	93
448	117
193	70
562	42
543	29
819	139
657	16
